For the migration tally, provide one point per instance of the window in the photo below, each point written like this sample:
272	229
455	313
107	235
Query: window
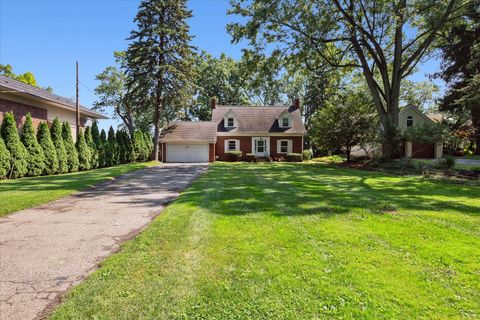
230	122
283	146
232	145
409	121
285	122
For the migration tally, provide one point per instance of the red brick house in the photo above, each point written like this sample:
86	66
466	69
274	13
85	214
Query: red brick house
21	98
266	131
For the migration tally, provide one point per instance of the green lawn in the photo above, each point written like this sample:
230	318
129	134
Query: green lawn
29	192
296	241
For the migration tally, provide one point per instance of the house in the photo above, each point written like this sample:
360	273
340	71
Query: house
411	116
21	98
266	131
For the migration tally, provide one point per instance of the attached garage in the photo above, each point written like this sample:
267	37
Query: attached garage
184	141
187	152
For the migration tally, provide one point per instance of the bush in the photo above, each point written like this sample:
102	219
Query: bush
102	156
92	147
18	153
148	145
72	155
95	133
233	156
4	160
45	141
447	163
84	156
122	149
36	158
307	154
294	157
128	146
111	149
56	132
250	157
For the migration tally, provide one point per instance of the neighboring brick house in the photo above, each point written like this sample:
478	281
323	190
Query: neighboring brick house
21	98
266	131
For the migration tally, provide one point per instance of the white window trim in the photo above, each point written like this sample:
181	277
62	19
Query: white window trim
289	146
412	119
225	121
280	121
237	145
267	144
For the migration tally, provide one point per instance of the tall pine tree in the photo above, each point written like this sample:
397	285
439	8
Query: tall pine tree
160	60
36	159
18	153
101	146
93	148
84	155
56	132
72	155
122	151
95	133
45	141
111	148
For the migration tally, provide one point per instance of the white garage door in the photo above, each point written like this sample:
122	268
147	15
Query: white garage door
187	152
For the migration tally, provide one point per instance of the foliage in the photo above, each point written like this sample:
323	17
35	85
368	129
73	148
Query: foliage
36	158
92	147
122	148
421	94
4	160
307	154
102	155
365	35
72	155
159	61
428	132
84	155
27	77
112	92
460	69
250	157
18	153
446	163
346	121
233	156
111	149
294	157
45	141
57	139
96	133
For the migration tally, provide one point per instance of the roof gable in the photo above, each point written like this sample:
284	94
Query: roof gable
416	110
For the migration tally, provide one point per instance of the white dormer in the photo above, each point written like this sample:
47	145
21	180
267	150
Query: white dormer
285	120
230	120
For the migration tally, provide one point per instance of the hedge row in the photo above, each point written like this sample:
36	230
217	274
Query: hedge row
52	150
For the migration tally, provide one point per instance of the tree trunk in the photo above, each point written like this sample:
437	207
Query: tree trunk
475	112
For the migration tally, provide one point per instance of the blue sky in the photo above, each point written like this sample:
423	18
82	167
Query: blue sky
47	37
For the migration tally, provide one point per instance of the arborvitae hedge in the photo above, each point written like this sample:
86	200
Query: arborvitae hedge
36	158
56	132
84	156
111	149
45	141
137	146
4	160
102	156
72	155
128	146
18	153
122	149
92	147
95	133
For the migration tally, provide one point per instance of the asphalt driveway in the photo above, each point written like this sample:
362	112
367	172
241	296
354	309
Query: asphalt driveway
48	249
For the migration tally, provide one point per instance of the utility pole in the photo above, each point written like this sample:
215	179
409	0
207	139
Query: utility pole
77	111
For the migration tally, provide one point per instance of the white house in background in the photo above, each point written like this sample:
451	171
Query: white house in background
412	116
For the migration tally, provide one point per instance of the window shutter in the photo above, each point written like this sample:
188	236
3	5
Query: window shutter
289	146
226	145
237	145
278	146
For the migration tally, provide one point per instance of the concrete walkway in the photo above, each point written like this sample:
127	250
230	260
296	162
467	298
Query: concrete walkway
48	249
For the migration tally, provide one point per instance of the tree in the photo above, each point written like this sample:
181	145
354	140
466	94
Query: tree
84	156
383	39
27	77
72	154
460	69
4	160
45	141
346	121
95	133
36	158
122	149
112	92
18	153
92	147
102	155
57	139
128	147
111	149
421	94
159	60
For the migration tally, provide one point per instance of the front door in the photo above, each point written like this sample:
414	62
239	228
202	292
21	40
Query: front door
260	147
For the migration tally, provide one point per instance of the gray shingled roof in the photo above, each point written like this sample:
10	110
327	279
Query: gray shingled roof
258	119
187	131
36	92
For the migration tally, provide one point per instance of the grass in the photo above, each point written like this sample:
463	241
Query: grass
29	192
296	241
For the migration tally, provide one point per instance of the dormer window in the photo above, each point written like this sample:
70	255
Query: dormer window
285	122
230	122
409	121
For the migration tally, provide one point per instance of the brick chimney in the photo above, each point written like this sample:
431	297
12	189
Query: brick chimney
296	104
213	102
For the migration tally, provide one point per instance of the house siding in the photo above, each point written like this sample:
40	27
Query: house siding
20	111
246	144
